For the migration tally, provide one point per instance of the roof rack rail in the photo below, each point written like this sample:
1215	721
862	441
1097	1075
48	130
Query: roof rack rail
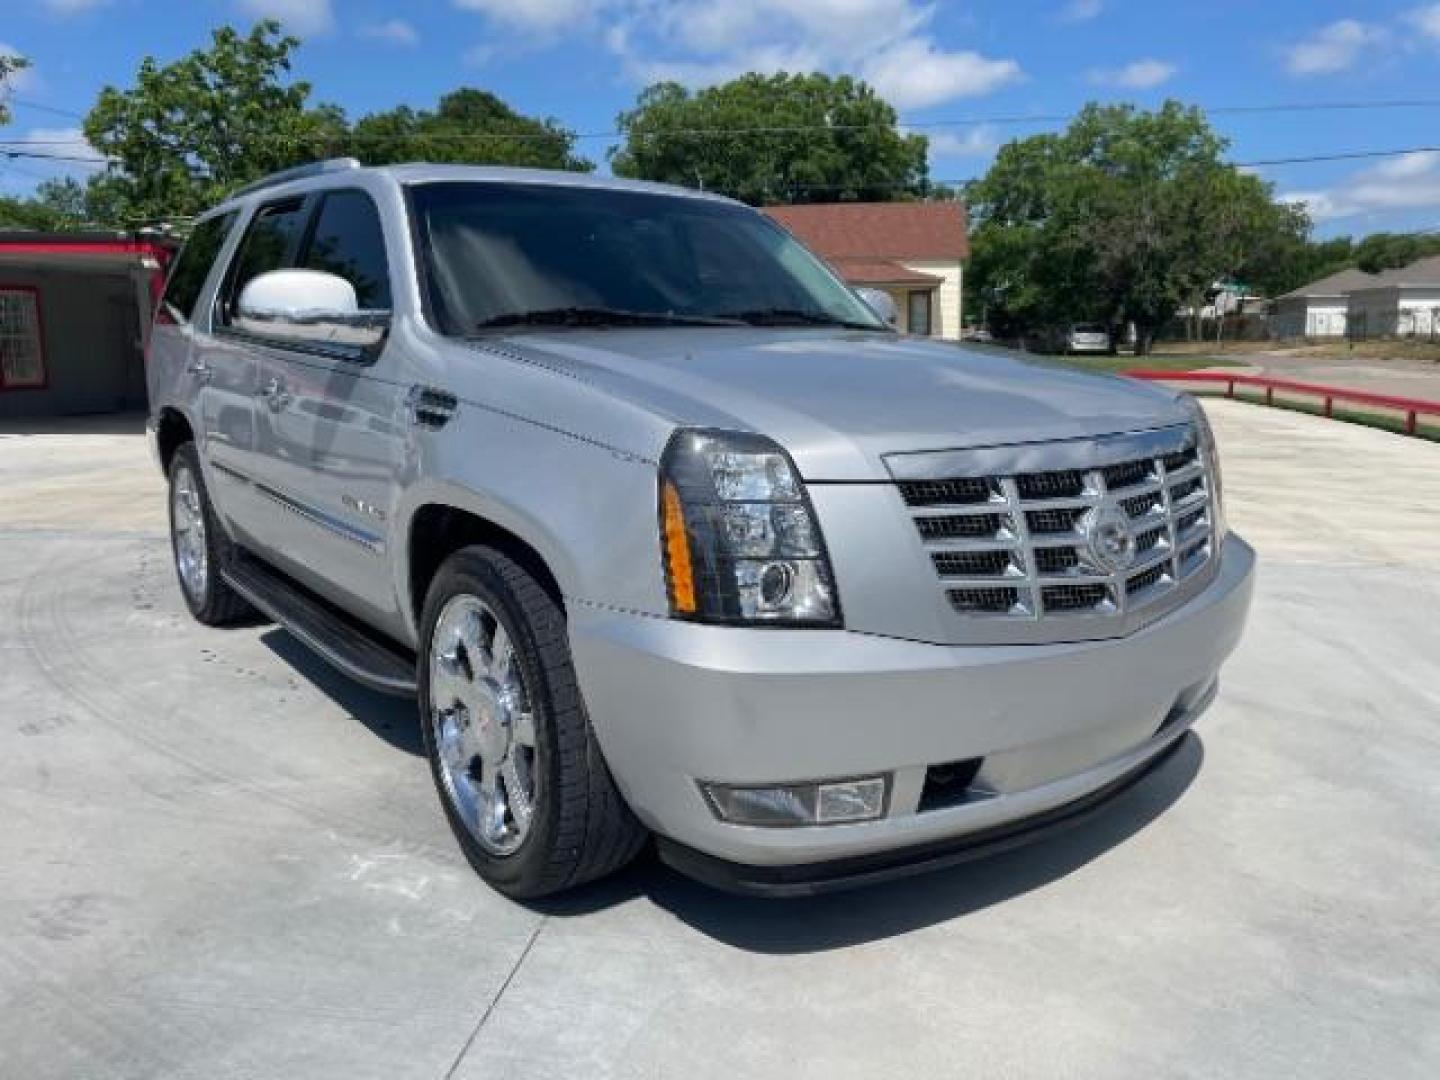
299	172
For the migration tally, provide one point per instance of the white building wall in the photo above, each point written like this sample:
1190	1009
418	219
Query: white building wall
1325	318
947	307
1418	312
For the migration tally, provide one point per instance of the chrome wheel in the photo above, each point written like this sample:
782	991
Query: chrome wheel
482	725
187	526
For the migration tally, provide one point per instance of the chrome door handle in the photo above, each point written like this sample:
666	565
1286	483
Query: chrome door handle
199	369
275	394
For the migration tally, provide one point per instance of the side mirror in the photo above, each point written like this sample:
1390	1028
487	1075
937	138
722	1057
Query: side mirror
880	302
310	308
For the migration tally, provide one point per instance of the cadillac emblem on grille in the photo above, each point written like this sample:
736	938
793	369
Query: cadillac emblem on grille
1109	539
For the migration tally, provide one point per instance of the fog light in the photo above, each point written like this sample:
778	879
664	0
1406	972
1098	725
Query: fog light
851	800
829	803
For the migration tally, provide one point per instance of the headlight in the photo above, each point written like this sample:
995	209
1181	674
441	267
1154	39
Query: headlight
1211	453
739	536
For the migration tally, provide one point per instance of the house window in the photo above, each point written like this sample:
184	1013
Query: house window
918	320
22	356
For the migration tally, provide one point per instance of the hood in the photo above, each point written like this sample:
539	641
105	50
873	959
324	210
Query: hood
839	400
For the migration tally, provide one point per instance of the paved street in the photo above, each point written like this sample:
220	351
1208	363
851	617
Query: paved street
218	859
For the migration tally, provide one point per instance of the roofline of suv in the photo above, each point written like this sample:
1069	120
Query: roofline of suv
320	175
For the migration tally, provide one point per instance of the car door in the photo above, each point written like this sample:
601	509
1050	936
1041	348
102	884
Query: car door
233	362
218	382
330	425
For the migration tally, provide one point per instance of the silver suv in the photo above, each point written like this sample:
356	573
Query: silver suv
669	533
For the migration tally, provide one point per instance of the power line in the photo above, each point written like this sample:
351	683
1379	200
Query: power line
790	129
98	163
1350	155
26	103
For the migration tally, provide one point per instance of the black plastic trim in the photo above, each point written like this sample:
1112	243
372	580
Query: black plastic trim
335	637
810	879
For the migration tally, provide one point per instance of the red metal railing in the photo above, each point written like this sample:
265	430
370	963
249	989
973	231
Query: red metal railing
1411	407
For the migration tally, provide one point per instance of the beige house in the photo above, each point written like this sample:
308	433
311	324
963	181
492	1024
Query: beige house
915	251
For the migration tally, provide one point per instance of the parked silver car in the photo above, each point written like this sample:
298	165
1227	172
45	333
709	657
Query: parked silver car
670	534
1089	338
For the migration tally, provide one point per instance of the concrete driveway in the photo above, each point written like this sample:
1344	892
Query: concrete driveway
217	859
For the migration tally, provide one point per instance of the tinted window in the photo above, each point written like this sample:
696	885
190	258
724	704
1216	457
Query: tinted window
493	251
188	275
349	242
270	244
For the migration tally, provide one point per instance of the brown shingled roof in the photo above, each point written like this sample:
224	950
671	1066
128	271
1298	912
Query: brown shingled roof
895	230
879	272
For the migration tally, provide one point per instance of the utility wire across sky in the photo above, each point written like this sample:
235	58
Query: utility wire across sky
785	129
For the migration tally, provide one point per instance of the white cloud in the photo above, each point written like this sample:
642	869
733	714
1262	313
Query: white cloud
73	7
61	143
979	141
19	80
1082	10
913	73
296	16
1139	75
542	16
395	31
1408	182
1408	166
700	42
1426	19
1333	48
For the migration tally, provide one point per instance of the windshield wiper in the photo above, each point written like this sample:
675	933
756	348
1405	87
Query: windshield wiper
795	317
600	316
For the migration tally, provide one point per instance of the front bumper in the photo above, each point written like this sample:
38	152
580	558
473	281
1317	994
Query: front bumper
810	879
674	704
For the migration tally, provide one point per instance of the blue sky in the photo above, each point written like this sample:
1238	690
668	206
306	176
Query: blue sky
582	61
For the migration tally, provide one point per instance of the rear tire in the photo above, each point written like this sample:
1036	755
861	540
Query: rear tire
200	547
519	772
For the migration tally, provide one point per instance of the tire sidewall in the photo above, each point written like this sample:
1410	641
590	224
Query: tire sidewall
186	458
471	572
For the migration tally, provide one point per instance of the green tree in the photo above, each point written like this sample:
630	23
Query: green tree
781	138
56	206
9	67
190	131
469	126
1379	252
1125	216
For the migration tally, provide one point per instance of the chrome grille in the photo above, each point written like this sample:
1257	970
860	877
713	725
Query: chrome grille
1015	544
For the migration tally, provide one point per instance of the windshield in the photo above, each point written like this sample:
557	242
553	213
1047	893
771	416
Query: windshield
540	254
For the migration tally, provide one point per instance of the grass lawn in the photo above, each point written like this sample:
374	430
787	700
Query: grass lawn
1149	363
1379	349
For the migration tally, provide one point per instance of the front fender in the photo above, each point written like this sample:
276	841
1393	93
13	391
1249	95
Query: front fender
588	510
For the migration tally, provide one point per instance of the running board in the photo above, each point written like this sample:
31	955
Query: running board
335	637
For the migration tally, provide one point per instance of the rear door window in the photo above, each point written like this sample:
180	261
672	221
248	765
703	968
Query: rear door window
271	243
192	268
349	242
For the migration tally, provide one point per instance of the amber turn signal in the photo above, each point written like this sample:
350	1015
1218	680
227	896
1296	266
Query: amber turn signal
680	575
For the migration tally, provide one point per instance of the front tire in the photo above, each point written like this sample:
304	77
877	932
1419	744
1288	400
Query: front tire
518	769
200	546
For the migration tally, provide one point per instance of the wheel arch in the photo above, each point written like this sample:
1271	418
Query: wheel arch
439	527
173	429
